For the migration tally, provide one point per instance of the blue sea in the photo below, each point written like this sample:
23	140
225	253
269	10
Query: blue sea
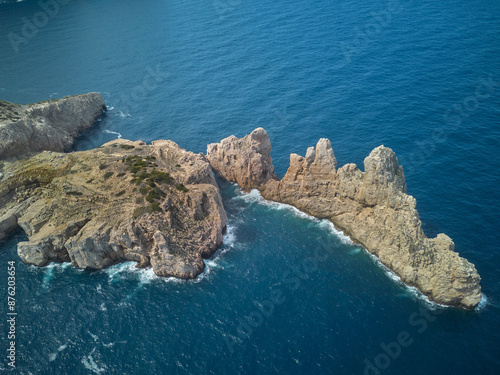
286	293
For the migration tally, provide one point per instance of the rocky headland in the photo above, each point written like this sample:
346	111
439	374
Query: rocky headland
372	207
160	206
51	125
157	205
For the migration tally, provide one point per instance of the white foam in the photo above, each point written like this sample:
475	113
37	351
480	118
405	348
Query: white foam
254	196
49	272
48	276
212	263
123	115
90	364
118	135
146	275
116	271
103	307
95	337
355	251
413	291
328	225
129	270
482	304
229	239
174	280
206	272
53	356
58	266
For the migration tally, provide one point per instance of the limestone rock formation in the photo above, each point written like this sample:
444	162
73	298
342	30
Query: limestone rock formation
372	207
246	161
158	205
51	125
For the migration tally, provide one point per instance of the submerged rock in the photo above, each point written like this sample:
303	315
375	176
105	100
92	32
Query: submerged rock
372	207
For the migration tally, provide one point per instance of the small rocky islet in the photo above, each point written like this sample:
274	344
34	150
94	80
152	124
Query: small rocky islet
160	206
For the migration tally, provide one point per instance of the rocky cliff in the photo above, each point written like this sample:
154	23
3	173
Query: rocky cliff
158	205
51	125
372	207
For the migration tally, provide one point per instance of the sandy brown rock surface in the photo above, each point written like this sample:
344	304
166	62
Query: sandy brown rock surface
157	204
372	207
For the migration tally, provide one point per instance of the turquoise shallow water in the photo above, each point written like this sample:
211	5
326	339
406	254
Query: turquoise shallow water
286	294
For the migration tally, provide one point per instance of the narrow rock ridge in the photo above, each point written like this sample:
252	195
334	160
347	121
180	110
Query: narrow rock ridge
51	125
372	207
157	205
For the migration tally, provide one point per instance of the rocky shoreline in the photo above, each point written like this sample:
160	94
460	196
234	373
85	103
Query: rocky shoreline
371	207
51	125
160	206
157	205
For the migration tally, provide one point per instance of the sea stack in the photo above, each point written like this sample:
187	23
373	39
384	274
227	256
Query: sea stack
372	207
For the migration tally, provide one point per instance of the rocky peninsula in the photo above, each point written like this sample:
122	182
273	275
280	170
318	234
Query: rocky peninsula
157	205
51	125
372	207
160	206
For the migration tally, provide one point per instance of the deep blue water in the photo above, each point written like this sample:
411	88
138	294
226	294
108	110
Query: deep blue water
421	77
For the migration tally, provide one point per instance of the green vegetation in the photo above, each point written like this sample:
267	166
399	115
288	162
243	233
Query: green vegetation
139	200
107	175
121	174
152	196
160	177
181	187
143	170
127	147
89	181
75	193
103	166
42	175
120	193
9	111
154	207
139	211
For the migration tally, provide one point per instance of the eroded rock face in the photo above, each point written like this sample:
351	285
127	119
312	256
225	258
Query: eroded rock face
246	161
50	125
158	205
372	207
